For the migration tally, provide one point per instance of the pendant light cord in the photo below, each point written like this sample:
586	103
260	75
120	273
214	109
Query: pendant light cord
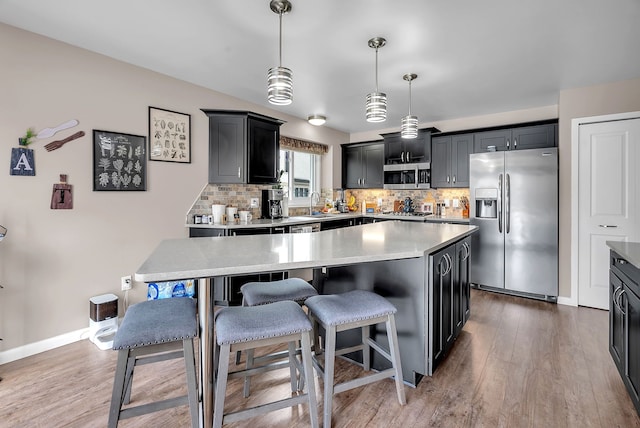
409	97
377	69
280	41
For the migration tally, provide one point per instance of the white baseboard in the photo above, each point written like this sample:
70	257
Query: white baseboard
43	345
569	301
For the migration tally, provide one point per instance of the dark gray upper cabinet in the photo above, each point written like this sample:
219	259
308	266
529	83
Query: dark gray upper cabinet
450	160
401	150
243	147
362	166
517	138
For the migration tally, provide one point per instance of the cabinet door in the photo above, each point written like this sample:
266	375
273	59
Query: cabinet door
372	166
534	137
632	325
351	167
393	150
500	140
263	152
616	323
461	148
443	329
441	162
418	149
226	149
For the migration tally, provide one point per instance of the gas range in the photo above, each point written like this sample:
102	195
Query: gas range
405	214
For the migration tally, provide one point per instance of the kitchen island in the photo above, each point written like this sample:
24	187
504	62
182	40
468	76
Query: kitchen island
424	252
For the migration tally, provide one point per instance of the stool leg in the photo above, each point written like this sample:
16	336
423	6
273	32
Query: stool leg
247	379
329	358
309	388
221	386
118	388
293	371
366	349
192	387
128	382
394	351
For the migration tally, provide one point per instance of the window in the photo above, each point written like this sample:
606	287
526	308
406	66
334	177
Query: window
301	176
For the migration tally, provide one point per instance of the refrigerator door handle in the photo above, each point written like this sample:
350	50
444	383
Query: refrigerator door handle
507	203
500	203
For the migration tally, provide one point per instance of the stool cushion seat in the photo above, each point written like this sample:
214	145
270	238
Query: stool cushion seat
157	321
261	293
248	323
352	306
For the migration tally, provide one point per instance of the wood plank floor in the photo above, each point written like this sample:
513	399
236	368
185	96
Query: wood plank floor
518	363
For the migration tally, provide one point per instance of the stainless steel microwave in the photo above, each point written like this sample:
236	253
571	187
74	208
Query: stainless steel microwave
407	176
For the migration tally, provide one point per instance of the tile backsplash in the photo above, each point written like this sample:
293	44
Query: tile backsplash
239	195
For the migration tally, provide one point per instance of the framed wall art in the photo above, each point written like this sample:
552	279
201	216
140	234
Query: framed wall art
169	136
119	161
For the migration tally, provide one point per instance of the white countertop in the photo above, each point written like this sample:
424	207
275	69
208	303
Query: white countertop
185	258
629	250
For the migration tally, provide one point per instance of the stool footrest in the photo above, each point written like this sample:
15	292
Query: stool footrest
258	370
143	409
161	357
264	408
355	383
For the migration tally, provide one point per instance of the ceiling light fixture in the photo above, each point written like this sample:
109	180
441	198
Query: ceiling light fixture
409	127
280	79
317	119
376	101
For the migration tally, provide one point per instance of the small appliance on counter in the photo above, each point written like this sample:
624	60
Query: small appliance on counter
103	320
272	203
341	204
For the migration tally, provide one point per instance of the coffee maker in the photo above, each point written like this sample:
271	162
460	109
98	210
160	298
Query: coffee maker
272	203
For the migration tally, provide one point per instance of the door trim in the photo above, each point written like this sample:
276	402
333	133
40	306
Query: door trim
575	146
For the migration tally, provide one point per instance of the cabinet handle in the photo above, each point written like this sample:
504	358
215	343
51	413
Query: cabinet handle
239	169
607	225
402	157
467	251
515	143
363	180
622	311
454	178
447	178
614	297
508	143
408	156
621	261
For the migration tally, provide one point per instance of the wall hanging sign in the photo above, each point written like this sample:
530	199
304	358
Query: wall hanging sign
119	161
62	196
22	159
169	136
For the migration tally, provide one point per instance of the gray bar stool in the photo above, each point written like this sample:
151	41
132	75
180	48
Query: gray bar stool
241	328
262	293
350	310
152	331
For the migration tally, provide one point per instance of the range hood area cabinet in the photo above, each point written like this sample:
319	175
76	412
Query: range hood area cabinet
398	150
520	138
362	165
450	160
244	147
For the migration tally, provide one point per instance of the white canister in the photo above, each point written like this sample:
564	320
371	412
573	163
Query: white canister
245	216
231	213
218	212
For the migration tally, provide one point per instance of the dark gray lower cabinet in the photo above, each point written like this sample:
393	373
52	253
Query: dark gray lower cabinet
624	323
449	297
338	224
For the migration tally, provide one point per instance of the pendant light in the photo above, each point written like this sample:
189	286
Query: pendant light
280	79
376	101
409	127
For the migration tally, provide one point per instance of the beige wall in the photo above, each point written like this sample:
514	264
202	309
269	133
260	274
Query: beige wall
618	97
53	261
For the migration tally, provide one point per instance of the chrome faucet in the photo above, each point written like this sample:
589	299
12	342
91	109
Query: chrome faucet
317	195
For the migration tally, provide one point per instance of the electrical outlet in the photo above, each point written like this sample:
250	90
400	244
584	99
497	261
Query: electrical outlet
446	202
254	203
456	203
379	202
125	283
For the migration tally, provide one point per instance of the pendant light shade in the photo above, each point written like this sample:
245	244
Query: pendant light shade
280	79
409	125
376	101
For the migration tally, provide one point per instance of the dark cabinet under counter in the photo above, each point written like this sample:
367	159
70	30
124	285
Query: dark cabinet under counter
624	314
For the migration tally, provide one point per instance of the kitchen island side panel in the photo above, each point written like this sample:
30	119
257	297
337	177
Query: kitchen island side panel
403	283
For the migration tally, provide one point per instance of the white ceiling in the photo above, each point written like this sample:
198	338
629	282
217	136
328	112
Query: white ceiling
471	57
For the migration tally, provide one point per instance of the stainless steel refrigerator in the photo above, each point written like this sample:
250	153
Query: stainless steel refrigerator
514	202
